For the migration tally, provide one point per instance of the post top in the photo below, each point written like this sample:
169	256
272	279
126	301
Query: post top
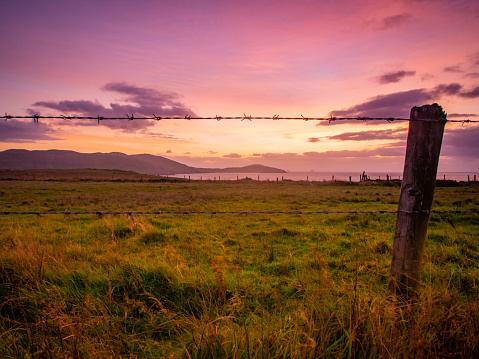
431	112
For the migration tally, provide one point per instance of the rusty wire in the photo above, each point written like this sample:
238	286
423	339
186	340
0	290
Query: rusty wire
129	213
275	117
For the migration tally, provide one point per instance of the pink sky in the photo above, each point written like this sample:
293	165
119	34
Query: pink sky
225	58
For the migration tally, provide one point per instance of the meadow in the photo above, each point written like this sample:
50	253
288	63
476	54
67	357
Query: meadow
229	285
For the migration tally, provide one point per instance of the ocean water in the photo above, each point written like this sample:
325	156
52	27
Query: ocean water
318	176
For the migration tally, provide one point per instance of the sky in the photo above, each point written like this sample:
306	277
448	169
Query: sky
207	58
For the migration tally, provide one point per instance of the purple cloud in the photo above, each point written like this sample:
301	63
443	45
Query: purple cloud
446	89
392	134
392	77
390	150
21	132
233	155
473	75
399	104
393	21
145	102
452	115
455	68
461	141
314	139
471	94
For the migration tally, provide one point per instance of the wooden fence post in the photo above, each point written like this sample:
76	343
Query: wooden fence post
426	129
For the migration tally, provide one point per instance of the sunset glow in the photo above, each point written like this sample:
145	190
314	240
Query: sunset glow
205	58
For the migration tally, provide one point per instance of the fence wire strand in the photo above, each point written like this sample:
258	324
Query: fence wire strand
330	119
129	213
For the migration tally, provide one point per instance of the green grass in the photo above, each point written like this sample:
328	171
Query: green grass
229	285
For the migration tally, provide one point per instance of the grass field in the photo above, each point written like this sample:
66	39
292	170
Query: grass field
229	285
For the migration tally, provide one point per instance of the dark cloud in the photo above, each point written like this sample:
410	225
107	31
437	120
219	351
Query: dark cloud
473	75
474	59
143	102
21	132
455	68
314	139
446	89
399	104
391	134
396	104
452	115
169	151
158	135
389	150
392	77
461	141
391	22
471	94
233	155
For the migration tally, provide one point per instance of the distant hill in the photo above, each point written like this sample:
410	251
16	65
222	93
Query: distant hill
146	164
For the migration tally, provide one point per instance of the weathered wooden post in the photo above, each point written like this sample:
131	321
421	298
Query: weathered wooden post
426	129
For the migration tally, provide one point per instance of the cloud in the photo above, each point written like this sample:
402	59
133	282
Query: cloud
399	104
389	150
391	134
169	151
391	22
314	139
473	75
461	141
144	102
233	155
452	115
392	77
445	89
455	68
157	135
471	94
22	132
396	104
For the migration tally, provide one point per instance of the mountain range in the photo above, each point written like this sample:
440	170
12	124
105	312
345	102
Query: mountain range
144	163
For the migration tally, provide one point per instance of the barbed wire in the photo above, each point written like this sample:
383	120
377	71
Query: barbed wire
130	213
275	117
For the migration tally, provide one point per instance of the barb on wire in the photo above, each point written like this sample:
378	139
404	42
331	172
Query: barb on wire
246	117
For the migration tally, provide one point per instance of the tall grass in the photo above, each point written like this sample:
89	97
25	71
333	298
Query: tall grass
229	286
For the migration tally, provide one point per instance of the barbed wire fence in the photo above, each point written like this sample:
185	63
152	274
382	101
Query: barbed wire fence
159	213
275	117
331	119
426	130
